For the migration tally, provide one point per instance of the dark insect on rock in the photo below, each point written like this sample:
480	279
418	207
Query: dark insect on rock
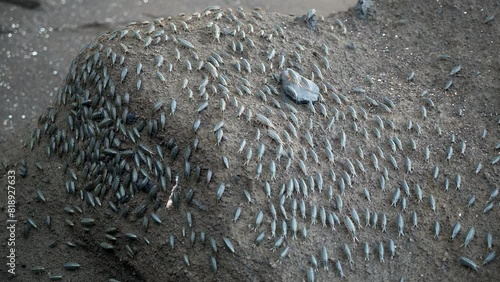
365	8
131	118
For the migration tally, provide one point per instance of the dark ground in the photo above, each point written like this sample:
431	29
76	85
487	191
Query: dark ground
403	36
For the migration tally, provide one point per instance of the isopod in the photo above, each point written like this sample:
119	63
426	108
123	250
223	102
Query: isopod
468	263
324	258
469	237
456	230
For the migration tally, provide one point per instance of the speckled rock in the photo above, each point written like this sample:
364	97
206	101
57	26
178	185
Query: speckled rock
300	89
177	143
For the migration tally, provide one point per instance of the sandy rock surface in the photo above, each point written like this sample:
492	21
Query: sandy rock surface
171	152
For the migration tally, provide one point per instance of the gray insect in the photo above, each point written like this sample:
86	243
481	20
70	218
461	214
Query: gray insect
456	230
489	258
366	250
381	252
258	220
469	237
347	252
468	263
350	227
401	225
324	258
437	229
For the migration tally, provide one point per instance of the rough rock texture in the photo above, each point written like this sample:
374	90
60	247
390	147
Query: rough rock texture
165	130
300	89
